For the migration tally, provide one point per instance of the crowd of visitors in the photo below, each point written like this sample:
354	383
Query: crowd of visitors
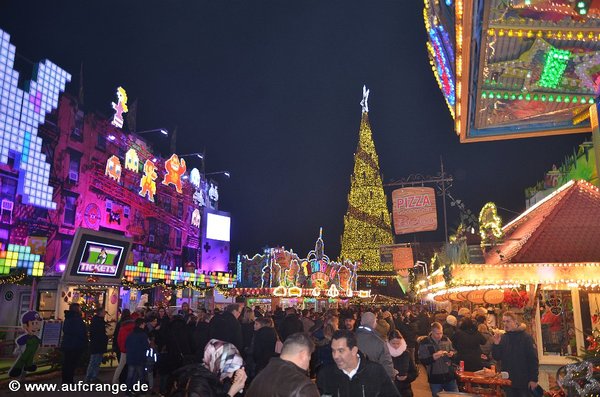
355	351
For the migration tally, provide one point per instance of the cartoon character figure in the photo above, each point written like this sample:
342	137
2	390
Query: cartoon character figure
24	111
175	169
147	182
27	344
120	107
132	161
196	218
213	194
113	168
198	198
195	177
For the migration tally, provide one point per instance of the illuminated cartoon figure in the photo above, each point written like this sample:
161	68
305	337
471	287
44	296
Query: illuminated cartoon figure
27	345
175	169
120	107
22	112
132	161
113	168
147	183
195	177
196	218
213	194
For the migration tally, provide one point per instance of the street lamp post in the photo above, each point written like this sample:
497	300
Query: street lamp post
161	130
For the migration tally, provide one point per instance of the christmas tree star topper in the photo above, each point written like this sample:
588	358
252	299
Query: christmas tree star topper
365	101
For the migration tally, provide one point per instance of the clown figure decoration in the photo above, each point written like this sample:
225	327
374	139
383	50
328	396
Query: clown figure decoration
27	344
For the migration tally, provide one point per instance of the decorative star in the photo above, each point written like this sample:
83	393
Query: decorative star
573	377
365	100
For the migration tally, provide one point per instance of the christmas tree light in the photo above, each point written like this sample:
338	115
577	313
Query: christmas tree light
367	224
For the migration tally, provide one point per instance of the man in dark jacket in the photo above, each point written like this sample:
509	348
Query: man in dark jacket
353	374
263	343
286	375
136	345
226	326
291	324
518	355
74	341
98	343
372	346
435	353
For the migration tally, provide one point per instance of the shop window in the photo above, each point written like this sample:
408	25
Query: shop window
65	248
177	238
70	209
101	142
180	210
77	131
74	164
46	304
558	323
8	188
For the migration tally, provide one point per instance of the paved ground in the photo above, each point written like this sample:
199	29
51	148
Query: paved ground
420	388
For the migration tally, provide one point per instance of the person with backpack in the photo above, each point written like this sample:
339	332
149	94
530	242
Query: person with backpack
403	363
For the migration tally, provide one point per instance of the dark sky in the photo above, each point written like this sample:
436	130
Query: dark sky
271	91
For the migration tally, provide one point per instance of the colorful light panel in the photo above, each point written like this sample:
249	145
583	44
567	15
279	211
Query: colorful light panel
20	257
554	68
21	113
160	273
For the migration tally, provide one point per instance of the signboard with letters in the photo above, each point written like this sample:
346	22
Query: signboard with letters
414	210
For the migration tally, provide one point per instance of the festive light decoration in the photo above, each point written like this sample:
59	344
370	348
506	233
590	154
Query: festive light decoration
554	67
132	161
490	225
196	217
175	169
21	113
163	275
12	279
120	107
148	181
19	257
578	375
367	224
537	97
195	178
547	33
113	168
333	292
458	28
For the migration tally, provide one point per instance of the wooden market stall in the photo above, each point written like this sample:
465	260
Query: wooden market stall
546	268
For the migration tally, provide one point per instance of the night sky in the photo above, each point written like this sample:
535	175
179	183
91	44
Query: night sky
271	91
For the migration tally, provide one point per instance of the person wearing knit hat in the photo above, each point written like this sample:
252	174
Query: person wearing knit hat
463	312
370	344
450	326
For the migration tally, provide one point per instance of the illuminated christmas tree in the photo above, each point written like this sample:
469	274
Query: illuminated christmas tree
367	224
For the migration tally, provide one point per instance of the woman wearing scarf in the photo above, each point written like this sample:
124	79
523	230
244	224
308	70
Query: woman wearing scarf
220	375
403	363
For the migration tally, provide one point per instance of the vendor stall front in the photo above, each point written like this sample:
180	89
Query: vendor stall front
279	277
545	267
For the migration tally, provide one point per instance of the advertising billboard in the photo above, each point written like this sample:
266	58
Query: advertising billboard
414	210
214	248
99	254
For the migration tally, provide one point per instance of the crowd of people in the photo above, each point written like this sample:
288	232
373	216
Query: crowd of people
356	351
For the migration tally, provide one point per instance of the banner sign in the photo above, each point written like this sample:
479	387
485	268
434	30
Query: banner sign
403	258
414	210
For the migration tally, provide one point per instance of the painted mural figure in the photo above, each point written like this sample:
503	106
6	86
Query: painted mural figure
102	257
147	182
120	107
27	344
113	168
175	169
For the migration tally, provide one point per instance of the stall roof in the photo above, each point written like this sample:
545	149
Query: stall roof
564	227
